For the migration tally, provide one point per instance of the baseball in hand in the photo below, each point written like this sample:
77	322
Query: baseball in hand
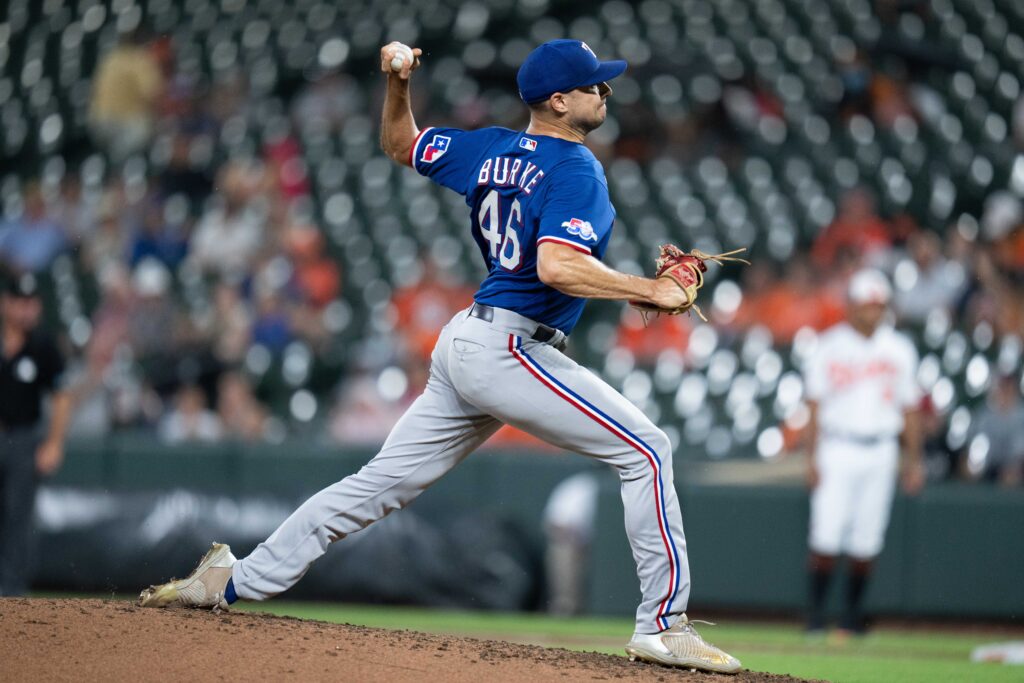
402	57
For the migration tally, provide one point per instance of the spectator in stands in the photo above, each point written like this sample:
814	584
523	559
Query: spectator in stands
159	332
856	76
928	281
857	227
96	378
76	214
327	102
190	420
155	238
1008	250
241	415
647	340
230	324
287	174
186	174
363	413
107	247
991	298
1002	227
889	100
939	459
230	234
110	320
315	277
30	243
996	449
126	88
786	305
272	327
107	392
425	306
228	96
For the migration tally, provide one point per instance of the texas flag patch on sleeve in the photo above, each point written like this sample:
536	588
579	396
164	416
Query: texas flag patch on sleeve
580	228
436	149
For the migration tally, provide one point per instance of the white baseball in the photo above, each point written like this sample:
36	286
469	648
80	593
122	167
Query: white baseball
399	60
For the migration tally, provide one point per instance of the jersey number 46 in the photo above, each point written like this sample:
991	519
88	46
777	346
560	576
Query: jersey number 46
503	247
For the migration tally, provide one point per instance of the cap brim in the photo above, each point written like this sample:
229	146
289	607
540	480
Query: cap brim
613	68
605	71
872	299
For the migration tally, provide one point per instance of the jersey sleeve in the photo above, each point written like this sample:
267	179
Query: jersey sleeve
576	212
447	156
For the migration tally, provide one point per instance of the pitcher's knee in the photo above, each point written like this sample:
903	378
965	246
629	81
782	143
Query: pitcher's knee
650	453
661	444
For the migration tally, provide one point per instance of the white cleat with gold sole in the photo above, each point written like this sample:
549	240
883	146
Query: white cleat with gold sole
204	587
682	646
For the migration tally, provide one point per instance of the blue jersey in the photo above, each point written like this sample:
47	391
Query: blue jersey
522	190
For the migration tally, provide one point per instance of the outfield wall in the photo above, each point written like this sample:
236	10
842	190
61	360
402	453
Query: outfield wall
955	550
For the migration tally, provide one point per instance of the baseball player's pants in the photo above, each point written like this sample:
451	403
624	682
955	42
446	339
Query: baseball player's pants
18	483
850	505
484	374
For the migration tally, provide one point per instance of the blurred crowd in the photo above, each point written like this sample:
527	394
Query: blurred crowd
207	269
201	265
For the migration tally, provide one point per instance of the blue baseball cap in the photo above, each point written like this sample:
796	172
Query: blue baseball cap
560	66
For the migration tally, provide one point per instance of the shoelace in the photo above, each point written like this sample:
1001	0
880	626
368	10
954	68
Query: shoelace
688	628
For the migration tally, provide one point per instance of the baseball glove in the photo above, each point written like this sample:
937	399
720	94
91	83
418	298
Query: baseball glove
686	270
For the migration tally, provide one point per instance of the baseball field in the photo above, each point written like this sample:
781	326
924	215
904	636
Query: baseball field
112	640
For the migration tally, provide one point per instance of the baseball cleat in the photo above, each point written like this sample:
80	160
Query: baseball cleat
681	646
204	587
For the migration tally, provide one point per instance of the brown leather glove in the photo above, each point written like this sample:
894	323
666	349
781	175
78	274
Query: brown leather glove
686	270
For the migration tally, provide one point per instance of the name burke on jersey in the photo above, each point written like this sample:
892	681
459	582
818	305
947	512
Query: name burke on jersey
509	172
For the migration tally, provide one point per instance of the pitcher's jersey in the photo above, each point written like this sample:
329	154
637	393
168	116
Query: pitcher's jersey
522	190
862	384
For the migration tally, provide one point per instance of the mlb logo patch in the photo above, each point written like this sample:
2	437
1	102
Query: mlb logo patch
528	144
582	229
436	149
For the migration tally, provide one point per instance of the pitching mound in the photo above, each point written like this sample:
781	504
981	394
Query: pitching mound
95	640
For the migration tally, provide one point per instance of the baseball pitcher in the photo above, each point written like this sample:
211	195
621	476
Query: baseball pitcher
540	212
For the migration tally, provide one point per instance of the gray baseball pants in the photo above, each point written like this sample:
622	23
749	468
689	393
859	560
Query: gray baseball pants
484	374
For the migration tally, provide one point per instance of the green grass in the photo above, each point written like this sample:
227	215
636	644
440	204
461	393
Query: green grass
909	656
887	654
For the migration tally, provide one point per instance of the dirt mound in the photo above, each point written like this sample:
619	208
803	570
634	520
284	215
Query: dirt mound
95	640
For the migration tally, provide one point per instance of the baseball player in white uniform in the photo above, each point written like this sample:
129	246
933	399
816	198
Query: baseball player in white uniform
540	213
863	394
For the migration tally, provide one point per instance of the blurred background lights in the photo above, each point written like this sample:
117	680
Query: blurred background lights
303	405
769	443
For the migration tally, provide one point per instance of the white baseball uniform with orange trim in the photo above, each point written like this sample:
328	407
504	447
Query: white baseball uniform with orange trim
863	386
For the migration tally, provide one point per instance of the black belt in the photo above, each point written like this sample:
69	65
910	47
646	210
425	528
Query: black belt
543	333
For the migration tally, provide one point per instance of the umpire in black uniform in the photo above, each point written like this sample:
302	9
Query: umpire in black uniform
31	368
